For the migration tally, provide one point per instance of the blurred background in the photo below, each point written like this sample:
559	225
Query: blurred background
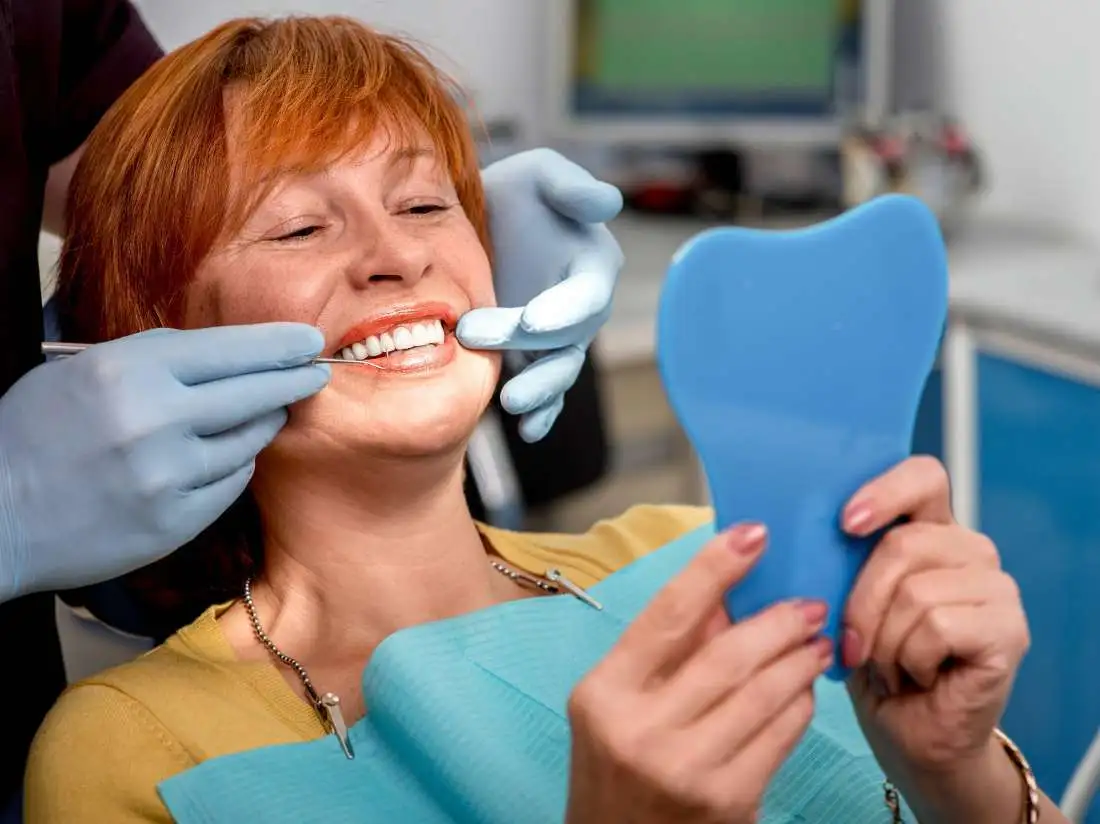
781	113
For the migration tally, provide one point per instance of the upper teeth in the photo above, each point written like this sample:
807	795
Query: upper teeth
425	333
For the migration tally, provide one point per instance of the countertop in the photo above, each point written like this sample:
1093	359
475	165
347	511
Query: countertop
1012	278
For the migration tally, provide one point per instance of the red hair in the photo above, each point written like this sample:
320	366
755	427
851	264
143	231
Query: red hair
151	196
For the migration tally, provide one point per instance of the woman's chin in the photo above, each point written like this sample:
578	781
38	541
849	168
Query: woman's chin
364	413
428	429
415	417
389	435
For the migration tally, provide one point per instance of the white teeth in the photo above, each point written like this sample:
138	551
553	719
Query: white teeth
400	338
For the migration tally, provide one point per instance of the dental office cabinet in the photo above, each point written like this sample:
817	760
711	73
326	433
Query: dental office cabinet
1021	418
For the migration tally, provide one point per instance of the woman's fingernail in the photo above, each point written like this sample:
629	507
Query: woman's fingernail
852	648
814	613
857	517
747	539
824	649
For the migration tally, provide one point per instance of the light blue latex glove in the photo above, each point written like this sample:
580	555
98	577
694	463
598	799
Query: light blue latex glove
113	458
555	268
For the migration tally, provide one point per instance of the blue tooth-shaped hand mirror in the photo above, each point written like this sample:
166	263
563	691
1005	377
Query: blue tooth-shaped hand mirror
795	362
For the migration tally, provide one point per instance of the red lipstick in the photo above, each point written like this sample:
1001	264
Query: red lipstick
399	316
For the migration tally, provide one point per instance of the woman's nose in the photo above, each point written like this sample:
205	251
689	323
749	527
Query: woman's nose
394	255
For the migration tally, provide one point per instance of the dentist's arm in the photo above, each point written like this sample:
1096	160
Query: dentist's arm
113	458
555	268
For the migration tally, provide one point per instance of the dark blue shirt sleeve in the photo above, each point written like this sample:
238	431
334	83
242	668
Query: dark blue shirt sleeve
105	46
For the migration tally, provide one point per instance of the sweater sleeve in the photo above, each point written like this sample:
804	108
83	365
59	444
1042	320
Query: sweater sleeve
99	757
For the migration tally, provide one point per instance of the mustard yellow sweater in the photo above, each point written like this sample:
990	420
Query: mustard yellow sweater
112	738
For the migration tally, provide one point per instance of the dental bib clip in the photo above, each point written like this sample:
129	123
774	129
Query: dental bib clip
795	362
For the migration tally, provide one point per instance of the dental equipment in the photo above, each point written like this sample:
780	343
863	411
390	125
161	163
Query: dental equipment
65	349
1083	786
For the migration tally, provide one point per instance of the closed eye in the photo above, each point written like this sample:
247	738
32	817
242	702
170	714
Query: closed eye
299	234
426	209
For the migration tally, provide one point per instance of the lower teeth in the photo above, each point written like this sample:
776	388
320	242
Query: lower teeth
400	351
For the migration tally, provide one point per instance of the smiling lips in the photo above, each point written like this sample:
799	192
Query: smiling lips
399	339
411	338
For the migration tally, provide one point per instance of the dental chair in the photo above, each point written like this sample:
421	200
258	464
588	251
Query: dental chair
90	645
492	475
1083	786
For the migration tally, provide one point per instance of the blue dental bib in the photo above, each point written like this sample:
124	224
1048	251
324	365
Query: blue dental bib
467	725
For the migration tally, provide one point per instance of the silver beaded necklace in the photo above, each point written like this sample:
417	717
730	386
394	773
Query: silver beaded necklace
327	705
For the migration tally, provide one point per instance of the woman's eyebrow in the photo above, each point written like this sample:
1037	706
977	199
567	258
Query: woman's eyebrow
411	153
403	161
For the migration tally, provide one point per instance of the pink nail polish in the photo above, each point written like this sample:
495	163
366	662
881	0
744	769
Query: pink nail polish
814	613
747	539
857	517
852	648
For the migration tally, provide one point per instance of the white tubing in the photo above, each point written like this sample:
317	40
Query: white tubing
1083	786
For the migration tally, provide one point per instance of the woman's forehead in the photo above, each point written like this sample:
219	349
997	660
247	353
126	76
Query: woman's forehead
262	161
311	141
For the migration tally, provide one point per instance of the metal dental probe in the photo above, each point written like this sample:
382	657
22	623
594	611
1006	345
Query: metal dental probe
60	348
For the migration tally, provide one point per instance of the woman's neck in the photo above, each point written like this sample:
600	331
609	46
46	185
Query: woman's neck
348	561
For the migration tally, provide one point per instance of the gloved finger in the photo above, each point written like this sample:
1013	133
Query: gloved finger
534	426
548	378
489	328
574	193
225	454
584	294
498	328
202	506
219	406
196	356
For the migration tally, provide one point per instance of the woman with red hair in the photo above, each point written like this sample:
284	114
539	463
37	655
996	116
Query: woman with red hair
315	171
161	479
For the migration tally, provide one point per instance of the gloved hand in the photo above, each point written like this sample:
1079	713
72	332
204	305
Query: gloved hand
113	458
555	267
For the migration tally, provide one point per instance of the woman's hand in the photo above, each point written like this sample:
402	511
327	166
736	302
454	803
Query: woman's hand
936	631
688	717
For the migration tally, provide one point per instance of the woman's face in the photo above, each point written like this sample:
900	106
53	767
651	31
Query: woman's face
377	252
